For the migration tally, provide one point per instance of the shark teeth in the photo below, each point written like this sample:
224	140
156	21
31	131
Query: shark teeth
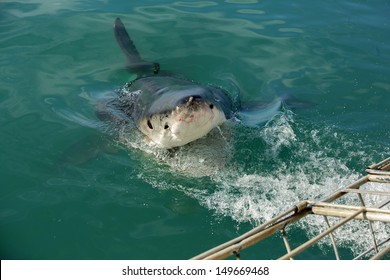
189	100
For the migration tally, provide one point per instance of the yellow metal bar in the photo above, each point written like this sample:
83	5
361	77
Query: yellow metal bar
383	165
370	214
377	173
371	249
379	178
225	246
286	243
340	193
382	204
369	224
309	243
336	252
249	241
380	193
381	253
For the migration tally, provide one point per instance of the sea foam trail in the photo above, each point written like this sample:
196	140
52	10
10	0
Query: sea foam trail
252	175
295	163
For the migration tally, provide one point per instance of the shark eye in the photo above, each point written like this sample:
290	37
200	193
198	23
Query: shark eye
166	126
150	124
211	106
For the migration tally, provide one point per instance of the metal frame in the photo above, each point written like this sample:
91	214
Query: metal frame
376	174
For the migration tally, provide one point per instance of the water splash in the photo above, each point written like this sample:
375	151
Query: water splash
203	157
299	162
252	175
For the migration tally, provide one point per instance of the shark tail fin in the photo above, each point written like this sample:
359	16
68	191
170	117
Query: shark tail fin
137	64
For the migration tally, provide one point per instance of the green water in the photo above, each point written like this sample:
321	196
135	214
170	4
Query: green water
69	191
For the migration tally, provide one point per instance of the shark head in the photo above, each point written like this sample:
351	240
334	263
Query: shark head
180	116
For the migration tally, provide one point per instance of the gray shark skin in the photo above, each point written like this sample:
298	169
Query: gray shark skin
169	110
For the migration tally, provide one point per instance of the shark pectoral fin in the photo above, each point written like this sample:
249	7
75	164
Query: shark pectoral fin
260	113
294	103
137	64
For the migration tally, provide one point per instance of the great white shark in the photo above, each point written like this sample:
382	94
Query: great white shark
173	111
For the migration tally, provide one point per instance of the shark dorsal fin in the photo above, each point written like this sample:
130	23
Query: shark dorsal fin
136	63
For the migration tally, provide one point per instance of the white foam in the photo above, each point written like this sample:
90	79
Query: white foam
203	157
279	133
298	163
255	174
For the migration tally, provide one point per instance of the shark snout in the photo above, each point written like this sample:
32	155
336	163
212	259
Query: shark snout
191	99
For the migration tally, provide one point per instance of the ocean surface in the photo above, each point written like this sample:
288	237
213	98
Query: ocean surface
71	189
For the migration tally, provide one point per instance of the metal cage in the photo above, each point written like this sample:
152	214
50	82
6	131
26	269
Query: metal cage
333	206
